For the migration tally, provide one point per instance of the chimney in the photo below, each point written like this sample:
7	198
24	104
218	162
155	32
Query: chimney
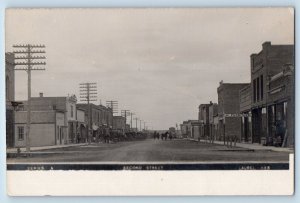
266	44
41	94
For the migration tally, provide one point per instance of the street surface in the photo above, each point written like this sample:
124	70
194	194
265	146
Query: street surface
152	151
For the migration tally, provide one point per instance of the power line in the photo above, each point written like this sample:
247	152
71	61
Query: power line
136	127
113	105
131	114
125	113
25	53
141	125
88	93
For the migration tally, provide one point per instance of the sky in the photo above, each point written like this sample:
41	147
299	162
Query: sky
159	63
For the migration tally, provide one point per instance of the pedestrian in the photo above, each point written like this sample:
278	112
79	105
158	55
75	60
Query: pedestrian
78	137
106	136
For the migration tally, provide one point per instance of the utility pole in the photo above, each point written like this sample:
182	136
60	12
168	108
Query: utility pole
113	105
27	59
125	113
131	114
141	125
114	108
88	93
136	127
144	125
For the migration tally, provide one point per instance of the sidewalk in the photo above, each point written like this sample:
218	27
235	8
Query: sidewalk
23	149
253	146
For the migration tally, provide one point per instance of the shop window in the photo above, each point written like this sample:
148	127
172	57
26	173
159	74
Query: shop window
20	132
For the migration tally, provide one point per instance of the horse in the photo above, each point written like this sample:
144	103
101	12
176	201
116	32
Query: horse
164	136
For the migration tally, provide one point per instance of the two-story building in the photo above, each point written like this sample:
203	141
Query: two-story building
203	117
265	64
63	104
100	119
281	108
81	126
213	123
229	110
47	128
245	110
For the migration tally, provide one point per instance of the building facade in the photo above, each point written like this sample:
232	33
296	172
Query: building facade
203	117
119	123
100	121
63	104
281	108
81	126
245	111
47	128
265	64
229	111
190	129
9	97
184	129
213	126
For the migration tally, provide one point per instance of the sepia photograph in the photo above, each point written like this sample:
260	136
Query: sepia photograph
150	89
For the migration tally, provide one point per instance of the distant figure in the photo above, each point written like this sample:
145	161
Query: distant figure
78	137
156	135
106	136
164	136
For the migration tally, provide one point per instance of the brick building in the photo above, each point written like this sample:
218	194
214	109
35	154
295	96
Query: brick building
101	118
203	117
9	97
213	125
229	110
281	108
119	123
245	110
265	64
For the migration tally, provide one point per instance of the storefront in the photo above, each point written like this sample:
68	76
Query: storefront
281	108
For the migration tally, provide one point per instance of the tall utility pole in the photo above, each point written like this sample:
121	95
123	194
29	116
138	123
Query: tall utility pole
144	125
125	113
114	108
141	125
136	127
26	56
88	93
131	114
113	105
